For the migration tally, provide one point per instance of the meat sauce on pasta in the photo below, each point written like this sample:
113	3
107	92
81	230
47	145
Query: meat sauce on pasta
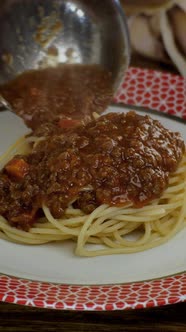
115	160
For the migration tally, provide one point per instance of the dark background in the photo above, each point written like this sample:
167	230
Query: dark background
24	319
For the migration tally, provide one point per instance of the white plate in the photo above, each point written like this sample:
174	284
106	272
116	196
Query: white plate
57	262
141	87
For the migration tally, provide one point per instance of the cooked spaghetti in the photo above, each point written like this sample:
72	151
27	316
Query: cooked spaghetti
115	185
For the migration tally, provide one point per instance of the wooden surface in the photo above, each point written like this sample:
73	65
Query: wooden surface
15	318
171	318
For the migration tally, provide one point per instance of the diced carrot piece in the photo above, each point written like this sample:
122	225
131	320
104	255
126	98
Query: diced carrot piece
69	123
17	167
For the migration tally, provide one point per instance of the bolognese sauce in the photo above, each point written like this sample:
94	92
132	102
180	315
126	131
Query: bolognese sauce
67	91
115	160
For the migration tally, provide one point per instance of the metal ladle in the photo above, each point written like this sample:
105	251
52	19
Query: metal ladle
41	33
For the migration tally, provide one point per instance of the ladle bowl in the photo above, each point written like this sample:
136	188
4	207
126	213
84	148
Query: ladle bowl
41	33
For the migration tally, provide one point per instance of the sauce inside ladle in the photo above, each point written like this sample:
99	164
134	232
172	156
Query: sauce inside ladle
67	91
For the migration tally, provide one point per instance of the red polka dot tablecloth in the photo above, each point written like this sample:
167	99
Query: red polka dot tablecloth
162	91
166	93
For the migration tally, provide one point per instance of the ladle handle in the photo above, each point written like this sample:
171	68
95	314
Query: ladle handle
4	105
